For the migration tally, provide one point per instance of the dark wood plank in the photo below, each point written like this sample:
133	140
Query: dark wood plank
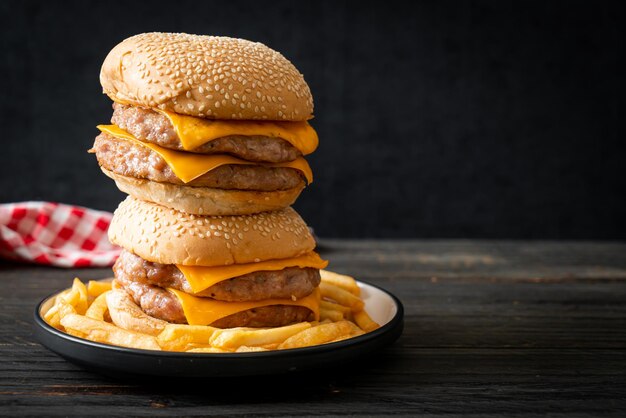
492	328
499	260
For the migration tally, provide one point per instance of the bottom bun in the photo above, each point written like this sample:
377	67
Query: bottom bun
126	314
205	200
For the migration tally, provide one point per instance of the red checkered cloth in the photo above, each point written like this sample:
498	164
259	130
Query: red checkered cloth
56	234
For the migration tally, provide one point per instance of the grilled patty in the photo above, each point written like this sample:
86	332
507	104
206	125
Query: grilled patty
289	283
159	303
150	126
132	160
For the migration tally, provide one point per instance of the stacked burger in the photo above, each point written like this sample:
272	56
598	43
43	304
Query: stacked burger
207	137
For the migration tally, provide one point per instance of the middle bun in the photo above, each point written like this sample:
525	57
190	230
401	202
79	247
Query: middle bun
163	235
205	200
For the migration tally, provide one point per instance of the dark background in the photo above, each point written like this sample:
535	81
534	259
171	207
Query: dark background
488	119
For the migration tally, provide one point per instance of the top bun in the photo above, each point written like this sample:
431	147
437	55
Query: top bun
162	235
206	76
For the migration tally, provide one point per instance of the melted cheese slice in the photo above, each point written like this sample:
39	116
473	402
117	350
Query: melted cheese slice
201	277
194	132
188	166
205	311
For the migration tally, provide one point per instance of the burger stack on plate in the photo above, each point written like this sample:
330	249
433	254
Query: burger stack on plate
208	138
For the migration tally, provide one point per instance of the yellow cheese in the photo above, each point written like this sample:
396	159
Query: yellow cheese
188	166
201	277
194	132
205	311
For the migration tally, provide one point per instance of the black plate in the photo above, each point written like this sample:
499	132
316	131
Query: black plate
120	361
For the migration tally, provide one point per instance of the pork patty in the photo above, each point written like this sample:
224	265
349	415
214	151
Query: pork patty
159	303
289	283
150	126
132	160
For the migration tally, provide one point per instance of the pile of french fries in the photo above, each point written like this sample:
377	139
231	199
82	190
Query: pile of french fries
82	311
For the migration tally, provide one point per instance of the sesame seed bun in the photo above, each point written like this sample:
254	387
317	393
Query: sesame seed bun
205	200
206	76
163	235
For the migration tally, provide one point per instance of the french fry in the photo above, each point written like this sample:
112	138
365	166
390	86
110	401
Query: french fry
364	321
191	346
52	312
82	303
52	317
355	329
54	308
341	280
75	333
341	338
270	346
341	296
72	297
331	314
103	332
207	350
335	307
317	335
64	293
247	349
96	288
65	308
235	337
176	337
98	307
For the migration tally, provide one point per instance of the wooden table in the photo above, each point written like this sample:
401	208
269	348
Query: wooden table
492	328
